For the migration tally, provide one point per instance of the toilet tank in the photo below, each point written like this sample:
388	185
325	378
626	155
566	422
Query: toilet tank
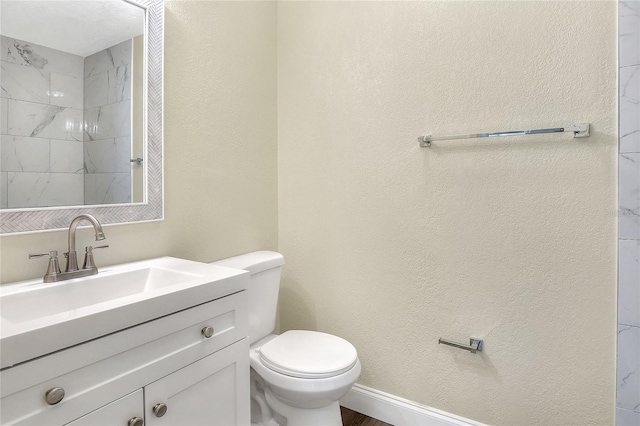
265	268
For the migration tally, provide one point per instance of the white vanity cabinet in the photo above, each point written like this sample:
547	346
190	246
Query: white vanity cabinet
202	393
195	362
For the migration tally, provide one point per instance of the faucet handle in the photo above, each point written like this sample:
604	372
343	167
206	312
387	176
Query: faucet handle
52	253
88	257
54	267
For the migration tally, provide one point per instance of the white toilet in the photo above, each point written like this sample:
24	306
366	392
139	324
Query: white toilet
297	377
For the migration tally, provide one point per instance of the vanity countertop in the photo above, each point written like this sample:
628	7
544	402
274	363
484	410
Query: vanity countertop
38	318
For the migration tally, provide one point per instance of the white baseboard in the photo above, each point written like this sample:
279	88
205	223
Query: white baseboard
398	411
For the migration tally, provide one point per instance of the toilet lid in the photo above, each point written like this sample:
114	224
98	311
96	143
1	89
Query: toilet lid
308	354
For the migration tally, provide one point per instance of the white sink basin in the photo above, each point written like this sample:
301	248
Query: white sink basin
44	300
38	318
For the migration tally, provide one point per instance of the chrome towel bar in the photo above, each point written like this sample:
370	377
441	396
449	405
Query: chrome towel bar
580	130
475	345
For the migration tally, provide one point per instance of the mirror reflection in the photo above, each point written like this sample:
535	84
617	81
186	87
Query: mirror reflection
72	108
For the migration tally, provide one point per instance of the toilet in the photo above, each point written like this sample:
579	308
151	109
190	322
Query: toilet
297	377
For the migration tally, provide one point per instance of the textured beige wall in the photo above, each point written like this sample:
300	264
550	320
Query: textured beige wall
387	244
513	240
220	145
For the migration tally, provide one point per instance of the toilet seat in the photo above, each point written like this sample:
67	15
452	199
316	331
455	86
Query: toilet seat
308	354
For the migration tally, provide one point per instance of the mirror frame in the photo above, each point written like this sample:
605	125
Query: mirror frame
50	218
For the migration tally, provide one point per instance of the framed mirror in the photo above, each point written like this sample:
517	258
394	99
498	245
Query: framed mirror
81	112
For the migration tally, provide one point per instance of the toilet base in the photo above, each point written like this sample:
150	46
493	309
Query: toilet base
325	416
268	410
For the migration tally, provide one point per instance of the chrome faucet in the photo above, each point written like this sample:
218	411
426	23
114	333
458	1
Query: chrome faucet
72	258
72	271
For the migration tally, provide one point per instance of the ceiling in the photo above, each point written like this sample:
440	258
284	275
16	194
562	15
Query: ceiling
79	27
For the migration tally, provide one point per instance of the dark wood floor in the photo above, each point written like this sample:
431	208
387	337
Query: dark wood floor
351	418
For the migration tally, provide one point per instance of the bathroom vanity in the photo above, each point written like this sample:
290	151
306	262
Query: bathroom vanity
170	350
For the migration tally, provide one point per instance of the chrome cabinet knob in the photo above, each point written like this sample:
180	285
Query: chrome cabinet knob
135	421
160	409
54	395
207	331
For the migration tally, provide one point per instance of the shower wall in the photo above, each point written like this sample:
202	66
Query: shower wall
41	142
66	126
628	365
107	114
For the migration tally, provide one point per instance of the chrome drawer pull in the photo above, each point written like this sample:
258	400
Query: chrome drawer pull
54	395
136	421
207	331
160	409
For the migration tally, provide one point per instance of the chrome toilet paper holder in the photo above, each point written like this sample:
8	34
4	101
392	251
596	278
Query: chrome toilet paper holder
475	345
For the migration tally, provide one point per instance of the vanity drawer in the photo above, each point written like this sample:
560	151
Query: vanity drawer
100	371
117	413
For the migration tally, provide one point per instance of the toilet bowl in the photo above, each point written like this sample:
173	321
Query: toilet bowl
297	377
304	391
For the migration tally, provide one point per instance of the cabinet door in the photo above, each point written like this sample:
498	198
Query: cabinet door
211	391
118	413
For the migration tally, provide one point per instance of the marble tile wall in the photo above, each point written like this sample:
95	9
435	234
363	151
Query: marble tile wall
41	140
107	116
64	118
628	362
